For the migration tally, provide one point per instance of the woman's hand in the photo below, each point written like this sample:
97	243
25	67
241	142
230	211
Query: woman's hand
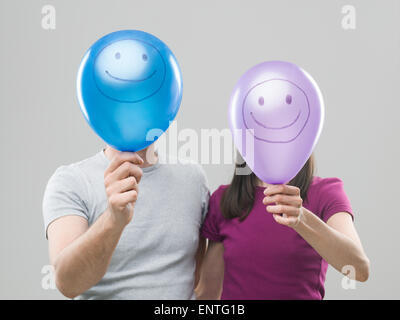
285	204
336	241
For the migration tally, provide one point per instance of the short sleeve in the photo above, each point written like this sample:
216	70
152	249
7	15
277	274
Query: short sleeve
64	195
212	222
333	198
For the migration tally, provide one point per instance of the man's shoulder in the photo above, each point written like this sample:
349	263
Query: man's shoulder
97	160
76	170
187	176
179	164
189	169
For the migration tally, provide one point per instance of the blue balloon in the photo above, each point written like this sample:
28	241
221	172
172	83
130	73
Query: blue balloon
129	88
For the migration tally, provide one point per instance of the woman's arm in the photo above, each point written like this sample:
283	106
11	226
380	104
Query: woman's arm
336	241
199	258
212	273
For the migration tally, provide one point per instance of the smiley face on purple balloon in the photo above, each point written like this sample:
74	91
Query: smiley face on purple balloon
277	110
276	116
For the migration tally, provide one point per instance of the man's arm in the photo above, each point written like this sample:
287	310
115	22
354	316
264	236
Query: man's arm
81	255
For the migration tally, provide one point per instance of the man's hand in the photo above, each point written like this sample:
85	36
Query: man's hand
81	254
121	180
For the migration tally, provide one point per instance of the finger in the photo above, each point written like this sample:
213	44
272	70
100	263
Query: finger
122	157
121	186
295	201
129	196
123	171
121	200
283	209
286	221
281	189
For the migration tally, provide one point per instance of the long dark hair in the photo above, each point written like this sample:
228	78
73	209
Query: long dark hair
238	199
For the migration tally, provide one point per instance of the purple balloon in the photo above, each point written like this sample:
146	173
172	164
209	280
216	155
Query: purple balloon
276	116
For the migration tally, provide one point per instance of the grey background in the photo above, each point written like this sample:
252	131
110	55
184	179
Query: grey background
215	42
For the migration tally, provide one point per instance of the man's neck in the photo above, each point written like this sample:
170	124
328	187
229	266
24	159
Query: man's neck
148	155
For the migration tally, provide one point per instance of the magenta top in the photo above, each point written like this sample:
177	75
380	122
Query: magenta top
266	260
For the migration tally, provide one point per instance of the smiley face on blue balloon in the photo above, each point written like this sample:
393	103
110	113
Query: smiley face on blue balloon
129	88
129	70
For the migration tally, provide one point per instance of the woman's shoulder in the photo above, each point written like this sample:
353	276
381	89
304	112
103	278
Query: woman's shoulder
319	183
322	187
214	214
327	196
222	188
217	194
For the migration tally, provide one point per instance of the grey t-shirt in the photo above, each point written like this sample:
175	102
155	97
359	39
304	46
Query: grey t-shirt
155	257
